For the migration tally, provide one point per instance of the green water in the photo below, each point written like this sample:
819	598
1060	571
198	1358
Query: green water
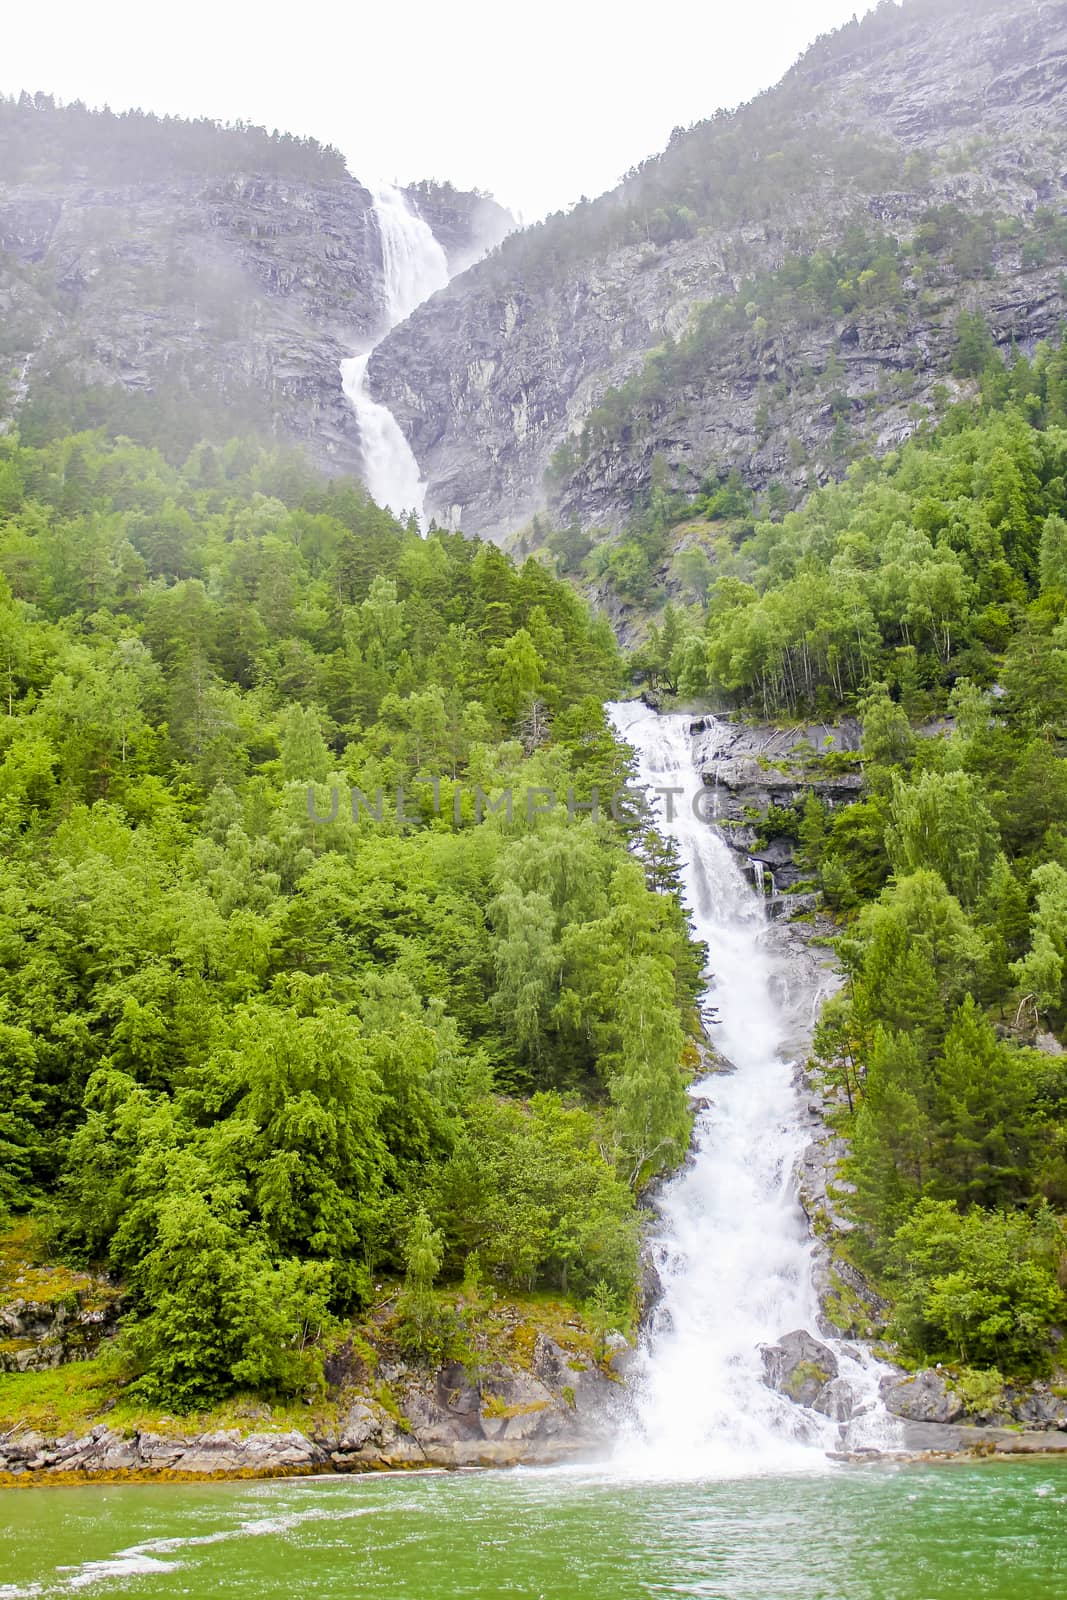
910	1533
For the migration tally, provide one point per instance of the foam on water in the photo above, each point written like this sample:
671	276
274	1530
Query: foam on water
145	1558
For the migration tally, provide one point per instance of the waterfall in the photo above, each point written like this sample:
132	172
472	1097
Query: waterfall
414	266
732	1244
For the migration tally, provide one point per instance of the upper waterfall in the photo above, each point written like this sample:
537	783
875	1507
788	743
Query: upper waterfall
733	1250
414	266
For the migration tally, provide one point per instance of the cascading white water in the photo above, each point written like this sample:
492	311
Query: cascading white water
414	266
732	1245
390	470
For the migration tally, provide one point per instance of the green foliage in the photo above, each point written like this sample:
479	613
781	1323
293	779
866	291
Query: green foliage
981	1392
695	572
975	350
528	1189
216	1311
1042	972
602	1317
417	1311
917	571
253	1053
978	1288
942	822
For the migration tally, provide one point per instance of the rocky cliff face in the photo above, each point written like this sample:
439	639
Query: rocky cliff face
246	291
756	769
881	125
236	295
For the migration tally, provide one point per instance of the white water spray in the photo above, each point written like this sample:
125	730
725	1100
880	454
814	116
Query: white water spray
732	1246
414	266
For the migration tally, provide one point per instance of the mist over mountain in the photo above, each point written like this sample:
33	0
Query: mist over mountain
779	287
178	280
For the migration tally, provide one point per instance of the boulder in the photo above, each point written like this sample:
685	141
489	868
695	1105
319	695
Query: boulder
922	1397
360	1424
1041	1408
799	1366
836	1400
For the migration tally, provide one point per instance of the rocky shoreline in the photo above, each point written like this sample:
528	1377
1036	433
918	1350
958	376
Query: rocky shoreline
558	1409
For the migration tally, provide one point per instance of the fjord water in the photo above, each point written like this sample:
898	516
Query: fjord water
414	266
732	1244
984	1532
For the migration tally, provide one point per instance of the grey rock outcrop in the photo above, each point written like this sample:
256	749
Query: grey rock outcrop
246	291
748	768
799	1366
931	1441
105	1450
925	1397
933	1397
466	224
1039	1406
240	292
651	1281
493	376
38	1335
561	1408
836	1400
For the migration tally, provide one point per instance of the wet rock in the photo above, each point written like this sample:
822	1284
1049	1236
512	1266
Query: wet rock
816	1173
713	1060
923	1397
786	907
360	1425
651	1286
931	1440
799	1366
835	1400
1039	1407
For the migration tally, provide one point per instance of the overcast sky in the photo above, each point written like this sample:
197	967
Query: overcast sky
538	102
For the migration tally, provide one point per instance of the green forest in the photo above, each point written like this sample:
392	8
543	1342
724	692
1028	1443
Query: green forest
42	139
927	594
250	1058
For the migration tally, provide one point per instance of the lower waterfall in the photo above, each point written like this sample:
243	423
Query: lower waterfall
732	1245
414	266
390	470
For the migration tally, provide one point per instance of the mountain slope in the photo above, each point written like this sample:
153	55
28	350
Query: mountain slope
795	270
201	280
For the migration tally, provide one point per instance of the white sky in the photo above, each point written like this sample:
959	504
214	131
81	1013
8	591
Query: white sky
539	101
